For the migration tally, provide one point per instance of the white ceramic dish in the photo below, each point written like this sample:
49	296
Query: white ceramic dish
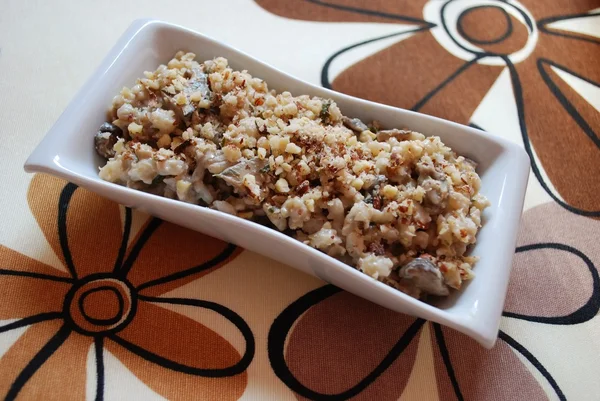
67	151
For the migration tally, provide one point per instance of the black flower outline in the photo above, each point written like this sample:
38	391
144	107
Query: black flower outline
543	26
120	271
283	324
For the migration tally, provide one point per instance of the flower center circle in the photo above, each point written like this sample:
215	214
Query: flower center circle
100	304
489	32
484	25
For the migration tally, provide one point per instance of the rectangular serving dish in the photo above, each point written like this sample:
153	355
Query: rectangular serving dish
67	151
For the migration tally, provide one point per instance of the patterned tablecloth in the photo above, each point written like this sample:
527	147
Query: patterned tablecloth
189	317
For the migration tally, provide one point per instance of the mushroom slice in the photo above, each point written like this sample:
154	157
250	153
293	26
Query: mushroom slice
234	175
197	83
105	139
424	275
355	124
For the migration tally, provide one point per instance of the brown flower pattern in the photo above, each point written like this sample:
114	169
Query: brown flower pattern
108	297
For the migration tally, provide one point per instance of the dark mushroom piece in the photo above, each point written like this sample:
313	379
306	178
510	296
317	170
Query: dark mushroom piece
354	124
234	175
399	134
425	276
197	82
105	139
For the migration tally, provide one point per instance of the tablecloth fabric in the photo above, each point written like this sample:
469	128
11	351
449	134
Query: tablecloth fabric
102	302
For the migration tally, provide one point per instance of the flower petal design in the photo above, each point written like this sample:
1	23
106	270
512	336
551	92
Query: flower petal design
559	252
408	11
573	55
40	362
544	26
563	130
584	114
29	287
183	354
466	371
166	256
15	263
547	269
69	360
448	78
85	229
317	348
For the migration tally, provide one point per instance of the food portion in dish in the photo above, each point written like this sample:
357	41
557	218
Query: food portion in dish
401	207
